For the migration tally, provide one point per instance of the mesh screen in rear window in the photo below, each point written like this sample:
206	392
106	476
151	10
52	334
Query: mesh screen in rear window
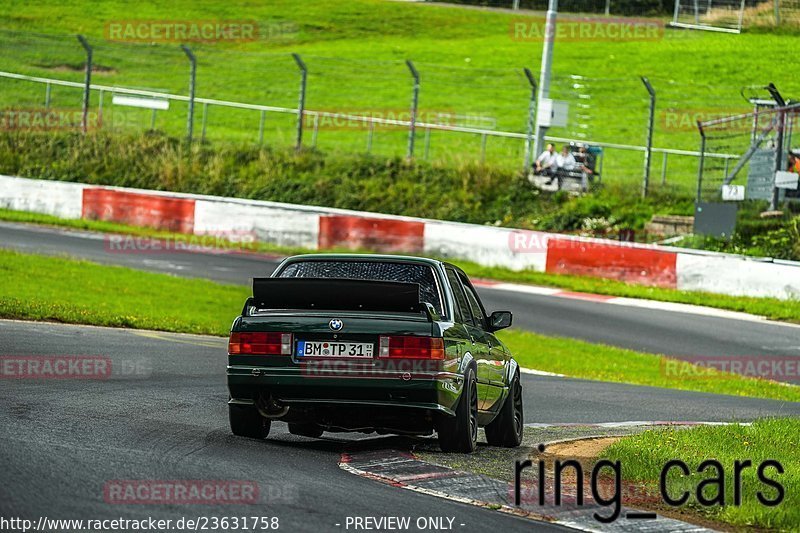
370	270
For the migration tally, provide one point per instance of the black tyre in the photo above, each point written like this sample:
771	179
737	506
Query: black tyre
306	430
506	429
247	422
460	433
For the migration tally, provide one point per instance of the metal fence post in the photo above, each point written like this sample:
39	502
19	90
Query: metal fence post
414	104
47	96
702	160
87	82
649	148
192	79
531	118
261	128
205	117
301	104
664	169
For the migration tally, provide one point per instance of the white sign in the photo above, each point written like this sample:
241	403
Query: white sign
553	113
733	193
135	101
786	180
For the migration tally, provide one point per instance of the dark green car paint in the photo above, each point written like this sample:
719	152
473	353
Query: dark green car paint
411	404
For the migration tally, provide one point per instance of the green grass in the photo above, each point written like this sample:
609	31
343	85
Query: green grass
34	287
468	59
80	292
643	456
600	362
785	310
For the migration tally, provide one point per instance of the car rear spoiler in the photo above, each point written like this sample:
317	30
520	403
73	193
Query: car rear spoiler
332	294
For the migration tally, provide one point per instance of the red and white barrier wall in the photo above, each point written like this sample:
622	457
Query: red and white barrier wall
319	228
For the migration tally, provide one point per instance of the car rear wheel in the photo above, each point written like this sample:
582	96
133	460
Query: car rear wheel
246	421
460	433
306	430
506	429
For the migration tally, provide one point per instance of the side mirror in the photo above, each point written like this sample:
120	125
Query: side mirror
499	320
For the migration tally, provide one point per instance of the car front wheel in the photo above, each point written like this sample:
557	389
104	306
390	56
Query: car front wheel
506	429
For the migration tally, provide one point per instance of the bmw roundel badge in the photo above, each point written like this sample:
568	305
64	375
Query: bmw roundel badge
335	324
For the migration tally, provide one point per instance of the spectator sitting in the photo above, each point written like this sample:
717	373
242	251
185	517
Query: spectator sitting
546	162
564	164
587	160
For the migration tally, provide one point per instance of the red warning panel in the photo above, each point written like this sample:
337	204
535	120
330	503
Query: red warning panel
624	262
162	212
379	234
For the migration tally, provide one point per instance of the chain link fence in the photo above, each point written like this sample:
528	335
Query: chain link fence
464	114
764	138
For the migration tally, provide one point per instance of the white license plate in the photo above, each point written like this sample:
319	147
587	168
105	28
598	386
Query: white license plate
333	349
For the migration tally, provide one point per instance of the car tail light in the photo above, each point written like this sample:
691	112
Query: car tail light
411	347
260	343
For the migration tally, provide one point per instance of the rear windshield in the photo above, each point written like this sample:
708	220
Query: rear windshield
371	270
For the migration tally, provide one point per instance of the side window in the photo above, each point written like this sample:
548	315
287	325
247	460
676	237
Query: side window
474	305
462	310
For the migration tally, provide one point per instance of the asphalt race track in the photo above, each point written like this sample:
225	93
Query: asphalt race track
162	414
63	440
165	418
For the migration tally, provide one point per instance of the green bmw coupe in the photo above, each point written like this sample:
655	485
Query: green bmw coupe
372	343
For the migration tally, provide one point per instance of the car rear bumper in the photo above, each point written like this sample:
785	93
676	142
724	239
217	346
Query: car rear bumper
431	391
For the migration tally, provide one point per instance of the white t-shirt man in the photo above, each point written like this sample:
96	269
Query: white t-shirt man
547	159
565	161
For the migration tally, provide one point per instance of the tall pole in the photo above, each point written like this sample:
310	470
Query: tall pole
192	79
301	104
701	162
414	106
779	159
531	119
650	123
544	76
87	82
